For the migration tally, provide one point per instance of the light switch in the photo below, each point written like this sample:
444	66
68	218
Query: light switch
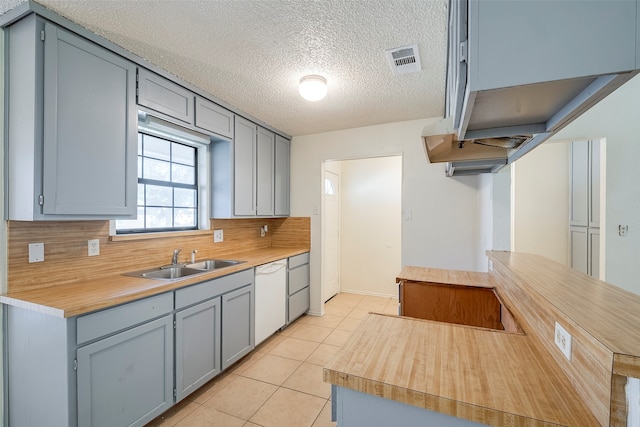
36	252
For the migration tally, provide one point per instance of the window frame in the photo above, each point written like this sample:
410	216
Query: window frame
162	129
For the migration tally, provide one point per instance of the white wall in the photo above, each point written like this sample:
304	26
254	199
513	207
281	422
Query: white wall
370	219
617	118
440	225
501	200
541	202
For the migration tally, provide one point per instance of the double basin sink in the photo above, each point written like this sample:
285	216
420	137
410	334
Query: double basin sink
179	271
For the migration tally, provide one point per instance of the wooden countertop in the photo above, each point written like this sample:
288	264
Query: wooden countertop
490	377
451	277
102	292
503	379
608	313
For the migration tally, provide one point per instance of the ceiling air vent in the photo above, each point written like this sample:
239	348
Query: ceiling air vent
404	60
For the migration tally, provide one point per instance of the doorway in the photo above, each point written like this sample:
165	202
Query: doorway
361	226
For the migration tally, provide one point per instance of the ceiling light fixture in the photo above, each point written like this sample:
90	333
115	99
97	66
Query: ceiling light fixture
313	87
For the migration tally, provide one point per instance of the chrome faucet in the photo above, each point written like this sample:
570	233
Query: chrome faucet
174	260
193	256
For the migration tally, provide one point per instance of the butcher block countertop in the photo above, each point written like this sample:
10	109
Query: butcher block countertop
82	297
499	378
490	377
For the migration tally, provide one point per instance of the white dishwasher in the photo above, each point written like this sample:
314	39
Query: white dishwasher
271	299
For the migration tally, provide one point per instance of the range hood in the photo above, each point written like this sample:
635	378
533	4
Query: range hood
467	157
511	86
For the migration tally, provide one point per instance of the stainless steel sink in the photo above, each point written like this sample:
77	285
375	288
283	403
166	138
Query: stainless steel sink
213	264
170	272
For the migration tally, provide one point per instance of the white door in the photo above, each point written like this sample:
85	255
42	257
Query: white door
331	235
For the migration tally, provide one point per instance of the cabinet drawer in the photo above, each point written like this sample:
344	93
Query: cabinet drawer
298	278
105	322
164	96
298	304
298	260
213	118
212	288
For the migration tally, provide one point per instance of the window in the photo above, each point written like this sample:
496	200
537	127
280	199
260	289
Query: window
167	186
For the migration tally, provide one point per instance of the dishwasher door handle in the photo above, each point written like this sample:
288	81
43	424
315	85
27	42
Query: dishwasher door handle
270	269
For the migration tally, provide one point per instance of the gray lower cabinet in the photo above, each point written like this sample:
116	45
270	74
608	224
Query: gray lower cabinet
69	157
352	408
197	346
122	366
298	282
238	335
127	379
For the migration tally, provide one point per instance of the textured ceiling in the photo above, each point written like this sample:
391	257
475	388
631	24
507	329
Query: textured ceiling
251	54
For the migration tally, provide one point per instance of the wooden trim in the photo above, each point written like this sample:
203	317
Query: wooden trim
162	235
618	402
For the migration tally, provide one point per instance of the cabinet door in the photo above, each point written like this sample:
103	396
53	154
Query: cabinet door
164	96
579	249
214	118
594	183
197	346
579	183
90	126
265	172
244	150
594	252
127	379
238	308
282	172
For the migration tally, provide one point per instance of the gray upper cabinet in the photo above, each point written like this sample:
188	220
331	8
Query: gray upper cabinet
258	162
213	118
244	172
265	172
164	96
69	157
282	173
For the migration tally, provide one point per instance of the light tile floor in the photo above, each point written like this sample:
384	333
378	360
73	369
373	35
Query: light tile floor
280	384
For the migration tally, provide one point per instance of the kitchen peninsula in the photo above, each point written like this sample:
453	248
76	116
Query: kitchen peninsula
421	371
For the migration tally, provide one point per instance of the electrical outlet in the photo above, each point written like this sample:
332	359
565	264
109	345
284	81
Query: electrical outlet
218	236
36	252
94	247
563	341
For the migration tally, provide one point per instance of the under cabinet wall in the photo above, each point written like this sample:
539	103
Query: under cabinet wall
66	257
